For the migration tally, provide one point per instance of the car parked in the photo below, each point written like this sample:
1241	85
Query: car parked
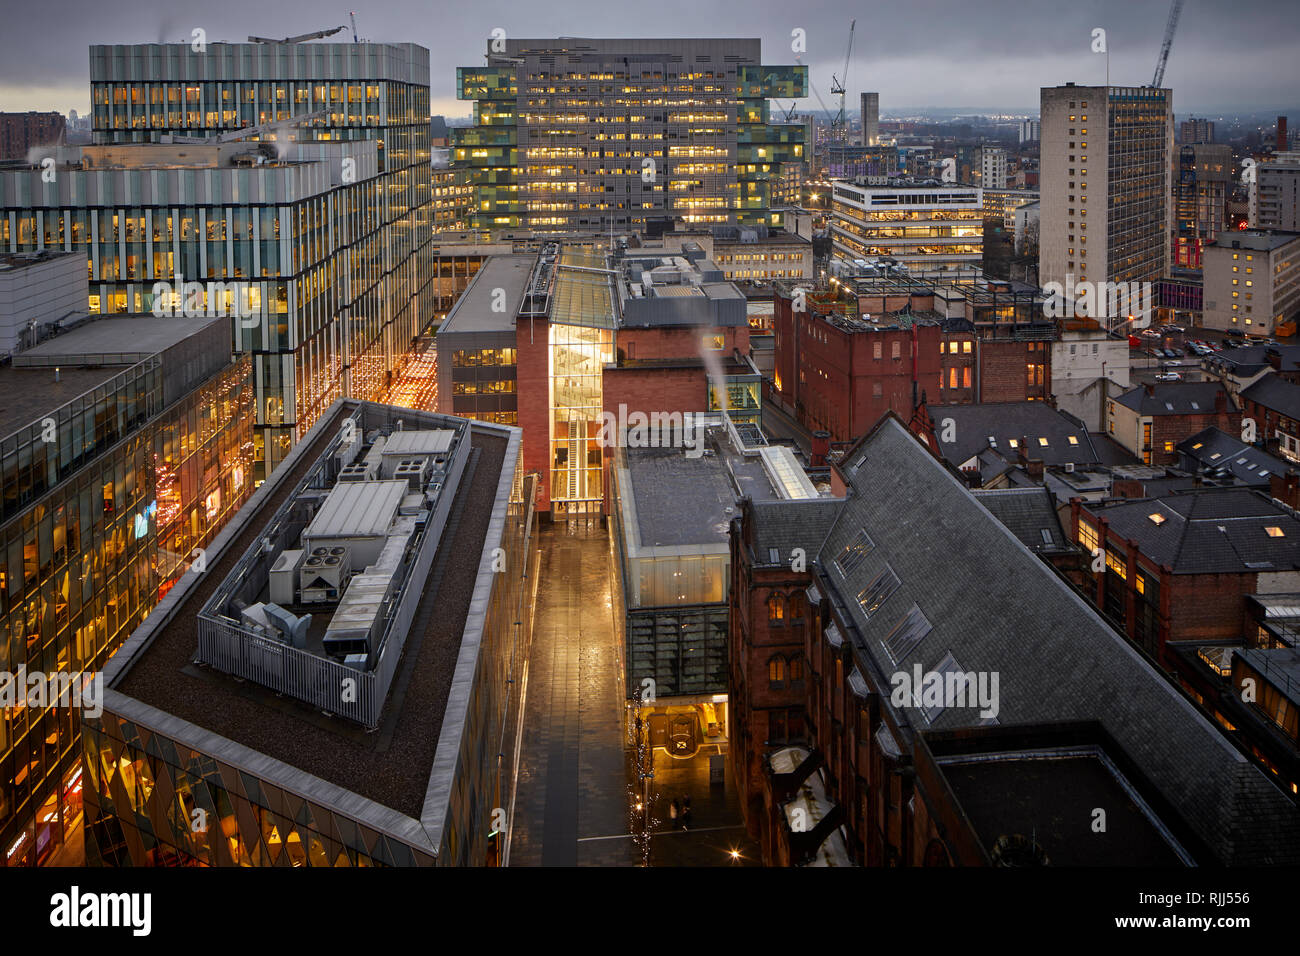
1169	377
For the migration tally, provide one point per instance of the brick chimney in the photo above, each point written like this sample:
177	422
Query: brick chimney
1286	488
1220	401
821	446
1274	359
1034	468
1151	389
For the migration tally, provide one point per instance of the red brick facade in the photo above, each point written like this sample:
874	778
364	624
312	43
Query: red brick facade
843	380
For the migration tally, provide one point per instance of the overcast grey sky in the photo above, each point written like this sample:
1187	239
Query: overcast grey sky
1228	55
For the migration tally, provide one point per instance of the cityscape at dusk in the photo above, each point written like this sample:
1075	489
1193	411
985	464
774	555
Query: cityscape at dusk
690	437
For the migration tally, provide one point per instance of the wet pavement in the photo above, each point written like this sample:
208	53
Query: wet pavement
573	800
572	787
714	830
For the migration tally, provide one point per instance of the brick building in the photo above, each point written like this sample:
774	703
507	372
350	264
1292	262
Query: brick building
1151	420
841	371
915	579
20	132
1177	568
1272	402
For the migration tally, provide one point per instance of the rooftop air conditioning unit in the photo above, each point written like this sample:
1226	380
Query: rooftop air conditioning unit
284	576
323	575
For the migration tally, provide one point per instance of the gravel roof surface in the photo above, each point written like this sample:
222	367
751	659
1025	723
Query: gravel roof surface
390	766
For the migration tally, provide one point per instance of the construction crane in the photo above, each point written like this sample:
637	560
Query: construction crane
839	86
300	38
353	15
1170	26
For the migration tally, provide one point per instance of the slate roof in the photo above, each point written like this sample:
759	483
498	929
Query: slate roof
1005	422
1175	398
1030	513
995	607
1214	448
786	525
1275	393
1252	359
1209	531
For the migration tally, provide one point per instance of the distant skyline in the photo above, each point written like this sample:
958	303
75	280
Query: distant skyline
1226	58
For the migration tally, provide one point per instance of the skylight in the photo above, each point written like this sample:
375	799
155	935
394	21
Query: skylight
1042	441
1274	531
1074	440
854	553
1156	518
878	591
907	633
1197	445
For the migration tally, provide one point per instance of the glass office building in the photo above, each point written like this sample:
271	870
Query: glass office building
327	238
186	770
585	135
113	474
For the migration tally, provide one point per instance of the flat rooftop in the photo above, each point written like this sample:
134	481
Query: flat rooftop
1051	800
473	310
121	340
390	766
1257	240
29	394
680	501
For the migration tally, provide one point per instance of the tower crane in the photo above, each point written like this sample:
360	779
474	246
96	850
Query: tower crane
839	86
353	15
1171	25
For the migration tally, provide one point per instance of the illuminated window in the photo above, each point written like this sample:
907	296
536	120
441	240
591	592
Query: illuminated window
1274	531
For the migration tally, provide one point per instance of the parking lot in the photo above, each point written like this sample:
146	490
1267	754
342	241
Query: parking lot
1189	345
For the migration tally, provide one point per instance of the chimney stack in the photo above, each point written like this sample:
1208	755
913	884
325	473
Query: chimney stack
821	446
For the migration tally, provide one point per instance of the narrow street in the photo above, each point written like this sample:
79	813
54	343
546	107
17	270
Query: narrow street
571	807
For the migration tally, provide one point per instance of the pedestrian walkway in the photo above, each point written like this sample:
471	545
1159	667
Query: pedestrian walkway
572	773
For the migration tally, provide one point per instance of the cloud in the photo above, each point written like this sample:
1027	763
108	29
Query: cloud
991	53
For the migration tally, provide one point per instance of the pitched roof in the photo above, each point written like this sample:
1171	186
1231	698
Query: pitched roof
1053	436
1029	512
1275	393
1209	530
991	606
782	526
1175	398
1213	448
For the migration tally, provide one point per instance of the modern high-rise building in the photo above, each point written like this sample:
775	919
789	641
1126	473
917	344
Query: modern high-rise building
379	576
125	444
1105	174
870	119
590	135
1277	195
1202	187
993	167
1194	131
1030	130
322	230
921	224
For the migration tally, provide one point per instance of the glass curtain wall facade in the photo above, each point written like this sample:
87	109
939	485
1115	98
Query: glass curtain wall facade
145	790
104	522
1140	144
589	135
344	279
